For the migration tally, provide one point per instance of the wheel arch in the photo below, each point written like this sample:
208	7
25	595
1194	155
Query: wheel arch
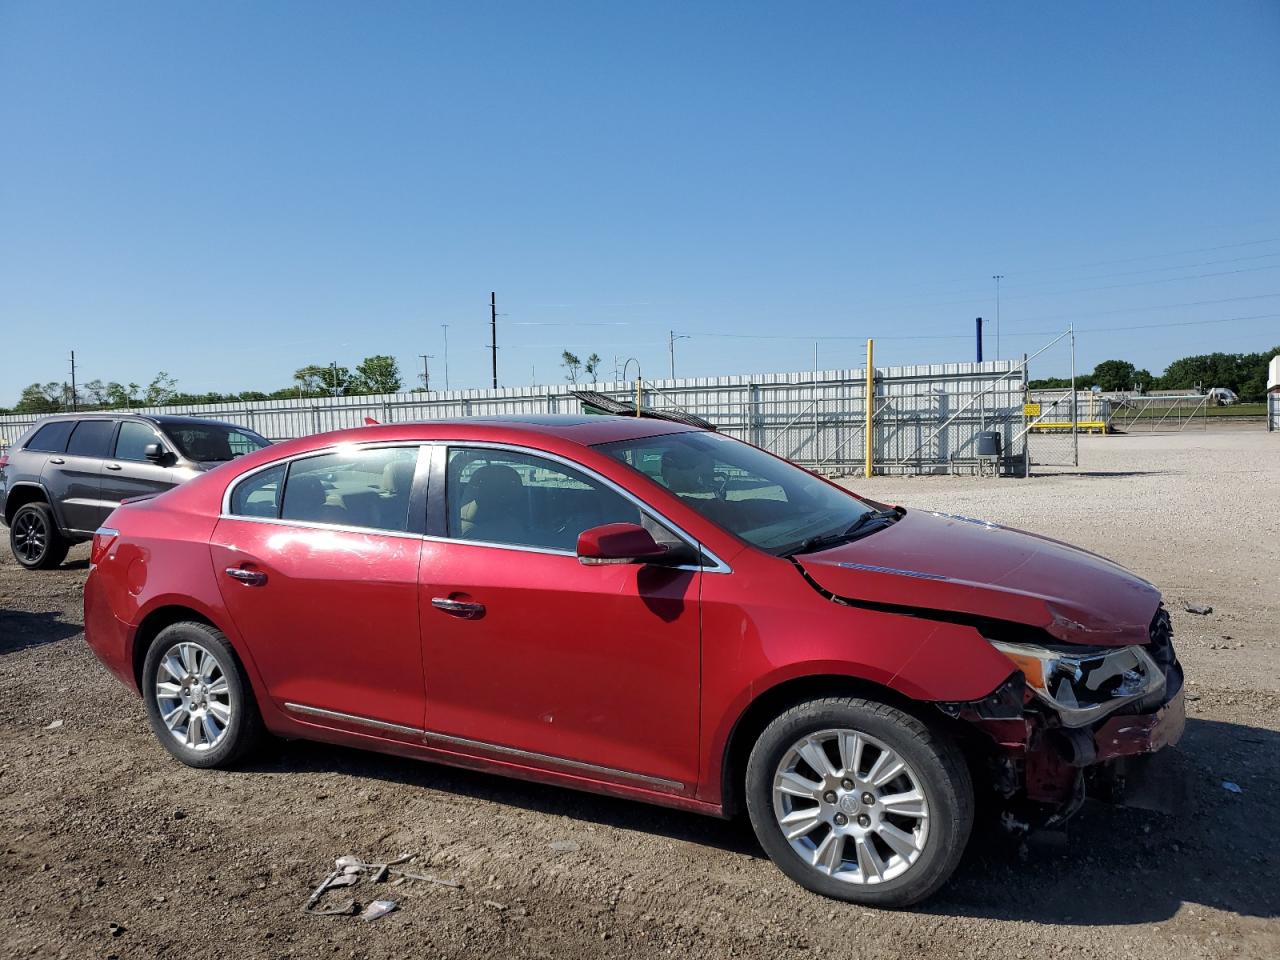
157	620
23	492
761	711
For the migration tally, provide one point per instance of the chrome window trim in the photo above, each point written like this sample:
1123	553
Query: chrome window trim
717	565
429	735
226	514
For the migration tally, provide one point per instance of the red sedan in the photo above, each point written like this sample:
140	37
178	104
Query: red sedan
642	609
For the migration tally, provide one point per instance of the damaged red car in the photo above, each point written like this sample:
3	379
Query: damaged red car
647	610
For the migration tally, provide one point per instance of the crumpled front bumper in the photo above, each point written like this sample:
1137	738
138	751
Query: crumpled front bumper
1039	757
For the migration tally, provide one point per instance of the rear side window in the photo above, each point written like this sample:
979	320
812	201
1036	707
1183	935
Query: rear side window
352	488
131	442
52	437
259	495
91	438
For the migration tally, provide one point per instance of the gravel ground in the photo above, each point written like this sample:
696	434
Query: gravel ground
111	848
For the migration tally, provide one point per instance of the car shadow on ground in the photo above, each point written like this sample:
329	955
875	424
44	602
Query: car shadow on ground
731	835
20	630
1112	866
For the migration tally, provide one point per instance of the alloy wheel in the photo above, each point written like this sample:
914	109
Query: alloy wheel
30	537
193	696
851	806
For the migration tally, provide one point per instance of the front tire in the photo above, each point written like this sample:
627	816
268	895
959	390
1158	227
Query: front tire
35	539
198	699
859	801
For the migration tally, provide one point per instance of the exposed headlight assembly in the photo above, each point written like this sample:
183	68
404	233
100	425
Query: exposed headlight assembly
1083	685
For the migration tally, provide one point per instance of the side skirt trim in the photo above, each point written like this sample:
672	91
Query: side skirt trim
445	739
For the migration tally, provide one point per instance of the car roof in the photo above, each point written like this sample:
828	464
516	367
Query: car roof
585	429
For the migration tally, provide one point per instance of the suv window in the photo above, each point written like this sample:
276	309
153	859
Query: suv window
52	437
213	442
131	442
352	488
497	496
91	438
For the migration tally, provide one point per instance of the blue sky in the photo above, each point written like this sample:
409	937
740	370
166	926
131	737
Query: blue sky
228	191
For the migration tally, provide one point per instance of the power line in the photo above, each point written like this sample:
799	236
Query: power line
942	336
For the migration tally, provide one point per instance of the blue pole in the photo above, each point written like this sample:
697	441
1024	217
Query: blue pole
978	323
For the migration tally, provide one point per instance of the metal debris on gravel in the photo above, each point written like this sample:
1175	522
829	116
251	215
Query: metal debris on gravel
351	871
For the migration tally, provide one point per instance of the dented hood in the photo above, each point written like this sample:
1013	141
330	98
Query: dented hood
943	563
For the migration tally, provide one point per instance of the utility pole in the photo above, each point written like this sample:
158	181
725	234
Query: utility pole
671	348
997	278
1075	416
75	405
445	328
333	378
426	370
493	332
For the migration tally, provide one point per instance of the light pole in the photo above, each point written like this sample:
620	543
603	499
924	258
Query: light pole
671	348
445	328
997	277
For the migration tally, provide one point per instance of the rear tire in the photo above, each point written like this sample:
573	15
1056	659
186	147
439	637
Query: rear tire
886	820
34	538
198	699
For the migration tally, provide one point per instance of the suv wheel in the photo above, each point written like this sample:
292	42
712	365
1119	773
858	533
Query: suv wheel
859	801
34	537
198	699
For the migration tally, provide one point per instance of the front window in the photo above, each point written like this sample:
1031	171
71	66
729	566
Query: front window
770	503
505	497
213	442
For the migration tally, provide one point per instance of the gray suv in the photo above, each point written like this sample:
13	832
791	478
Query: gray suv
67	473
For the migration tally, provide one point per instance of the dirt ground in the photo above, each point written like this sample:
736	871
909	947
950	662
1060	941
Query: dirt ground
111	848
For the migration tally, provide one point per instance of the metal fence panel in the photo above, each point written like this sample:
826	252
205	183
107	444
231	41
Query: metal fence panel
927	418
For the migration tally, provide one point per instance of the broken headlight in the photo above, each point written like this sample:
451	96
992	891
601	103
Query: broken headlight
1084	684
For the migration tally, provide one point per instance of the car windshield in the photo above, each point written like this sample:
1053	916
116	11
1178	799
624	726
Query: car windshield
768	502
212	442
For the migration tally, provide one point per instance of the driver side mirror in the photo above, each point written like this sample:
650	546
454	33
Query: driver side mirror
618	543
154	452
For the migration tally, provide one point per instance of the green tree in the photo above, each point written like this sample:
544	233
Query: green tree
160	390
572	364
119	395
1112	375
43	398
377	374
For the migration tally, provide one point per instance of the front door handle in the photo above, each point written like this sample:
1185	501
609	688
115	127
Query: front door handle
114	466
459	608
56	460
250	578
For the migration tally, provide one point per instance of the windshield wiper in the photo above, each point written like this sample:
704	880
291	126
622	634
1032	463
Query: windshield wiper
825	540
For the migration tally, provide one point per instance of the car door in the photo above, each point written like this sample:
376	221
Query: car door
317	560
128	472
74	478
527	653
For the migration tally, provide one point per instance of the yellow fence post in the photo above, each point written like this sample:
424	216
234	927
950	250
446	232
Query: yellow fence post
871	412
638	382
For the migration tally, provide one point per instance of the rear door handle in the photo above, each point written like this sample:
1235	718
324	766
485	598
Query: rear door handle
114	466
459	608
250	578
